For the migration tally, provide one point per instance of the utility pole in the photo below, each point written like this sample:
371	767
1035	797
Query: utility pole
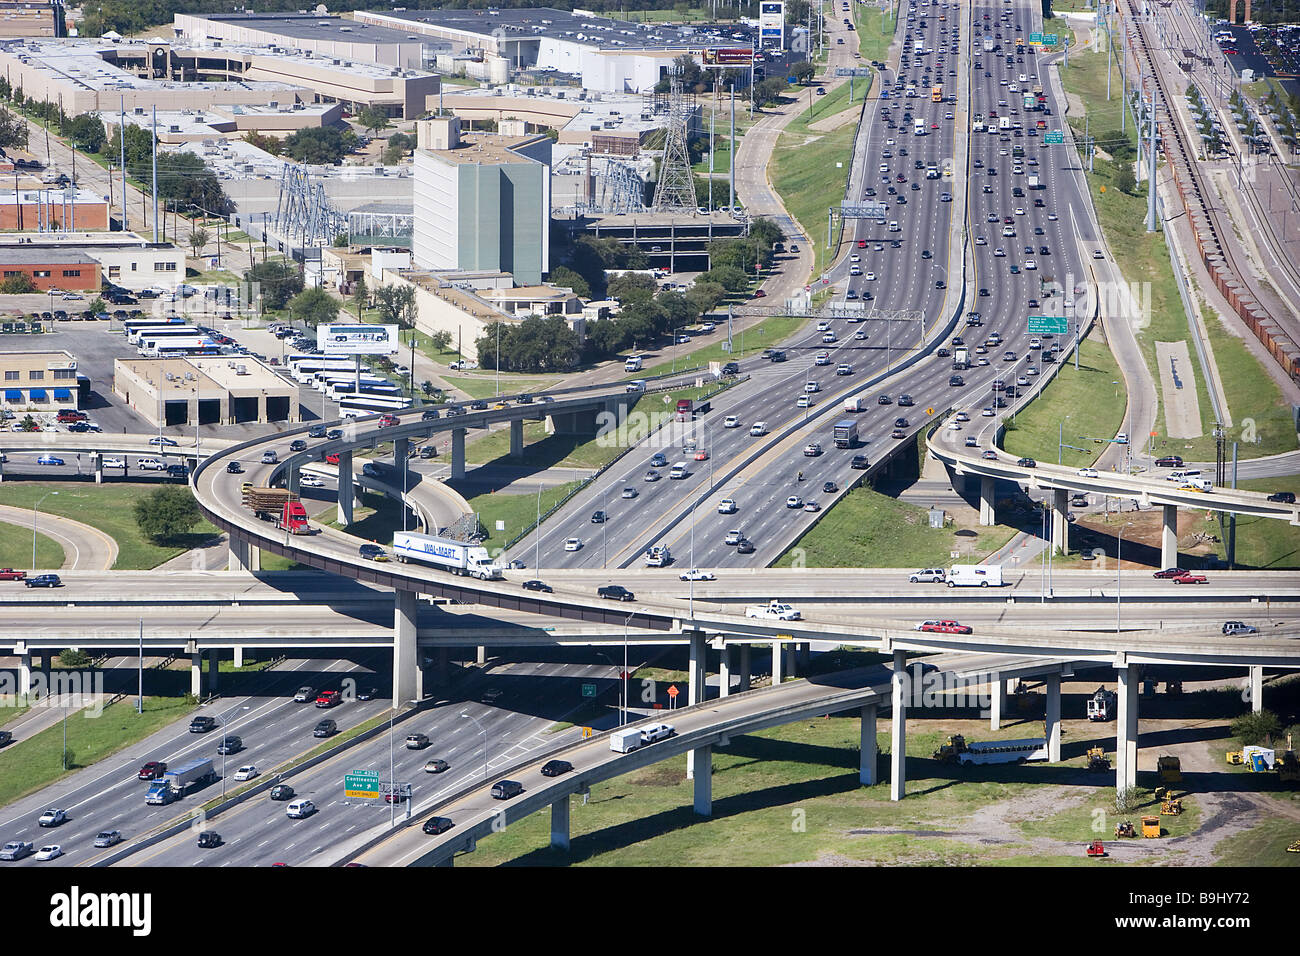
154	153
1151	168
732	179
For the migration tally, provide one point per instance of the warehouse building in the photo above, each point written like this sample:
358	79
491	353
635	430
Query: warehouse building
49	267
205	391
123	258
39	381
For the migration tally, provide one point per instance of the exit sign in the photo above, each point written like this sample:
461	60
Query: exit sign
1048	325
1054	138
1035	38
361	783
1049	39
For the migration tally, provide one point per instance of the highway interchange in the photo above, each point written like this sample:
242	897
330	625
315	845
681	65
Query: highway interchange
523	701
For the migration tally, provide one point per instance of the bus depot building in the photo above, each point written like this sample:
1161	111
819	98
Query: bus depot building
39	381
205	391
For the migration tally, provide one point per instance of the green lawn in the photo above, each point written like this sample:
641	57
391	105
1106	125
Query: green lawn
1085	402
1262	845
751	341
867	529
782	796
1261	416
16	549
875	31
35	763
519	512
809	170
107	507
1261	542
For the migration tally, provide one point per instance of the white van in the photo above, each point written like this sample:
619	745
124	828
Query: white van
298	809
975	575
1183	475
758	429
679	470
1196	484
633	364
893	225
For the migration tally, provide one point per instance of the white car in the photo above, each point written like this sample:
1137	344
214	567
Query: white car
794	501
1088	473
805	401
1020	211
695	574
1051	217
987	411
150	464
1031	265
112	462
981	241
828	339
247	772
823	358
823	326
870	277
53	850
962	417
811	387
311	481
954	426
572	544
630	493
855	258
52	818
731	421
727	506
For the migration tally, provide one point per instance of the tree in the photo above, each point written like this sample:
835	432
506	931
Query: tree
769	90
320	145
373	118
705	296
278	281
360	295
396	304
803	72
74	658
86	133
1255	728
269	144
733	280
314	306
631	287
97	305
441	341
566	278
18	284
185	180
139	148
167	513
198	239
1124	179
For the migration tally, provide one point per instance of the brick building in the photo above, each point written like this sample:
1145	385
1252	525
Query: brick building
66	269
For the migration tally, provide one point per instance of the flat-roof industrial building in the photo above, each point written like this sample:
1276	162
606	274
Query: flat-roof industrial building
205	391
39	381
123	258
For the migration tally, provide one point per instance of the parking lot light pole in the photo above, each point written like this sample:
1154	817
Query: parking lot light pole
34	509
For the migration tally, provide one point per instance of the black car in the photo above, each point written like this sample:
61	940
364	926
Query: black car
435	825
884	400
368	693
731	368
43	581
1169	461
1026	463
778	356
598	517
230	745
905	401
298	444
505	789
5	738
1285	497
201	725
209	839
900	422
956	381
326	728
830	488
316	431
479	405
234	468
744	546
860	463
615	592
536	585
282	791
334	434
429	414
554	768
372	552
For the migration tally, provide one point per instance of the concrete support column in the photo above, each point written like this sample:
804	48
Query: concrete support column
1052	723
744	667
987	516
1256	688
805	656
196	673
516	438
1169	537
1126	727
401	448
898	734
243	556
703	780
239	657
214	671
406	664
24	675
560	823
791	659
695	690
480	654
997	703
291	479
1060	524
457	454
867	764
345	488
778	652
724	671
2	472
99	468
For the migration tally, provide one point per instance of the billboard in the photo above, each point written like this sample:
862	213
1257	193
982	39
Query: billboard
350	338
771	23
728	56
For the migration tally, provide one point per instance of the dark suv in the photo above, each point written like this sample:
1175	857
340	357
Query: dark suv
230	745
616	592
326	728
1285	497
1169	461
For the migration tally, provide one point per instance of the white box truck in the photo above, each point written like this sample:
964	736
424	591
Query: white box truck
855	403
975	575
454	556
624	741
633	364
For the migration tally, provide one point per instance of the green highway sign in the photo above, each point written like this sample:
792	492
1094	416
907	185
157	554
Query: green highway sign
1055	138
361	783
588	690
1049	39
1035	38
1048	325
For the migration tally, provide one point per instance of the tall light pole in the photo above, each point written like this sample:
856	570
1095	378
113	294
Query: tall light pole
34	509
485	741
224	736
392	807
1119	568
537	540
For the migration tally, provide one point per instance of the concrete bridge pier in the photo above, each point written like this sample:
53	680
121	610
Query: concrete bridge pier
24	673
695	690
516	438
898	733
997	703
987	517
239	657
97	460
401	448
1169	536
1052	720
777	659
1126	727
196	669
867	763
346	493
703	760
560	823
1256	688
214	671
724	671
1060	521
744	667
291	479
407	677
457	454
244	556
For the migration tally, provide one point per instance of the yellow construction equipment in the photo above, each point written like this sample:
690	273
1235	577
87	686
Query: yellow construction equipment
951	749
1170	770
1150	827
1124	829
1235	758
1171	807
1097	759
1294	847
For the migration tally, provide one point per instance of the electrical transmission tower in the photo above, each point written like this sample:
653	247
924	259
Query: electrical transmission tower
675	191
621	189
304	214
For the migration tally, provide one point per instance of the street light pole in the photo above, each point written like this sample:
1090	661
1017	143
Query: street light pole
1119	569
34	510
485	742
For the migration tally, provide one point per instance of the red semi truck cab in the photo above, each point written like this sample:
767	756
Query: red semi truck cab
293	517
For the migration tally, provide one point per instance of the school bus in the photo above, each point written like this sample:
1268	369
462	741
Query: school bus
936	94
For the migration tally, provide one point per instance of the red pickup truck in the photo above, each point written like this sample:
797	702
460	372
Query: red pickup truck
1191	579
9	574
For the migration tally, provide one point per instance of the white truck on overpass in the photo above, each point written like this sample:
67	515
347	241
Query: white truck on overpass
454	556
777	610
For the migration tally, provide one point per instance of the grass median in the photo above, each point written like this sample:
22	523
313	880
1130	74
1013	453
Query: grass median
517	513
109	508
16	549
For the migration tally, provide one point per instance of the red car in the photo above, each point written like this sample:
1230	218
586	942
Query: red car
387	420
332	458
1170	573
944	627
153	770
862	243
9	574
1192	579
329	698
759	294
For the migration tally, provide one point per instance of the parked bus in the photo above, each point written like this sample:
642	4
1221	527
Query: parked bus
305	373
339	390
174	345
135	329
358	406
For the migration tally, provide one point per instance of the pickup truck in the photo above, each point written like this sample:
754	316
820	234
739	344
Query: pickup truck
773	609
1191	579
9	574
